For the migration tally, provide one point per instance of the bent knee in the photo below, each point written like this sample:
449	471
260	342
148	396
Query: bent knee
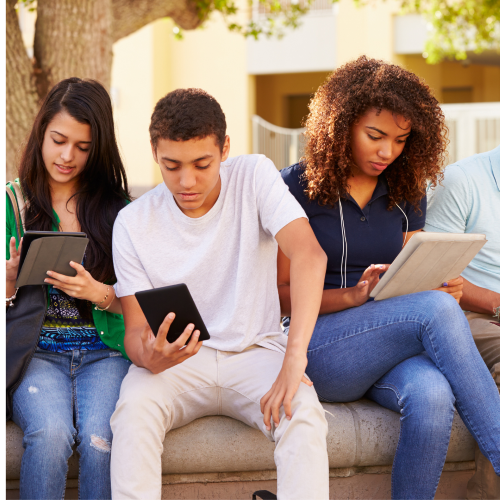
50	434
307	408
430	402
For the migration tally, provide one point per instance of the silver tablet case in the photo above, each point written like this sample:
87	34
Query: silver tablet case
427	261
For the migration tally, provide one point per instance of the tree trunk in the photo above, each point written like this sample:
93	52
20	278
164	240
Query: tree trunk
72	38
21	93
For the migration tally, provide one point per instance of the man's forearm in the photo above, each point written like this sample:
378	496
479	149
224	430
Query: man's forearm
133	346
307	275
477	299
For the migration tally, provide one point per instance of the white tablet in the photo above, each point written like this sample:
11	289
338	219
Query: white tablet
427	261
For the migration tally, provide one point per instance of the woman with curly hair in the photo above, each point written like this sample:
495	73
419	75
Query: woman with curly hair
375	138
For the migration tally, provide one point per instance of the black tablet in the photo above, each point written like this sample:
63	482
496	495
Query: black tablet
158	302
30	236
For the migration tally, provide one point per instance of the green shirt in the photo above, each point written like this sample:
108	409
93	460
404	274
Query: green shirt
109	325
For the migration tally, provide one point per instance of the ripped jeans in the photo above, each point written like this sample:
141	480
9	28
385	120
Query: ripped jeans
67	398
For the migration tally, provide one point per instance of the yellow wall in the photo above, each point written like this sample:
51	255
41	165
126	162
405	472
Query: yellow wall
271	92
366	30
132	86
484	80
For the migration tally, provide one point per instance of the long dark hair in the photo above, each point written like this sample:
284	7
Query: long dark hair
102	190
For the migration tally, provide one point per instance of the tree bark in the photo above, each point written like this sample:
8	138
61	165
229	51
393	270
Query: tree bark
131	15
72	38
21	96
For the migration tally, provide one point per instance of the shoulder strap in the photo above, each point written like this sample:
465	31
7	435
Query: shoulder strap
15	208
21	203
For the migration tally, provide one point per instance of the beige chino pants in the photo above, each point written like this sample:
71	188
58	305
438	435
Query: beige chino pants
485	484
215	383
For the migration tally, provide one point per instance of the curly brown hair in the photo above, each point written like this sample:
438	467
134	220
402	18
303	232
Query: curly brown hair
186	114
350	92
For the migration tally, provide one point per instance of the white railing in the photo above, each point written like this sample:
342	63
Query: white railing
473	128
284	146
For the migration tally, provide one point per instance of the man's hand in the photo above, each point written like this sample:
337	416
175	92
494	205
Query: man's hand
284	389
158	354
360	293
454	288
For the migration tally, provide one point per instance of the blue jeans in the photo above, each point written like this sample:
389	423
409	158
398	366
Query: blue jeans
414	355
66	398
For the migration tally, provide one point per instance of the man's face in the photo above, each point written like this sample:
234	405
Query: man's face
190	170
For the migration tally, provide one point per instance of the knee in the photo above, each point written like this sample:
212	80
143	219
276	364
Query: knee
440	303
51	434
139	406
308	412
430	406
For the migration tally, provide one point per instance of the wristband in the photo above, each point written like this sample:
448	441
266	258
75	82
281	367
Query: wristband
97	308
10	300
496	313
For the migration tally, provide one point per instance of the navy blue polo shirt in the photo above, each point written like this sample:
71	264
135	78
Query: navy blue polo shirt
374	235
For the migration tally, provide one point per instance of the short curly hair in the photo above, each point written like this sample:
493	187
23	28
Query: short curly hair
186	114
350	92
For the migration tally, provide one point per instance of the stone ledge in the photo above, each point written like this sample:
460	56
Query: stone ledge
362	439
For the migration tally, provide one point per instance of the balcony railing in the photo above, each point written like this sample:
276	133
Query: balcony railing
473	128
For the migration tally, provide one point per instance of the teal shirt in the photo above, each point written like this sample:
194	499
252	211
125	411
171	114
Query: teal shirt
110	326
468	201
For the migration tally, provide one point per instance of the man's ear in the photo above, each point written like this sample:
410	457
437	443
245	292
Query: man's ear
225	149
153	150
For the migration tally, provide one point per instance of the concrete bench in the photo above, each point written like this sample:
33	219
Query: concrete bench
221	458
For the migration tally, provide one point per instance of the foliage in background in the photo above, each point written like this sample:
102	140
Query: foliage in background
458	26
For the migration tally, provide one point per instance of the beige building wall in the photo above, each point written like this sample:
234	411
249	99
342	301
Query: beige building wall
132	91
150	63
366	30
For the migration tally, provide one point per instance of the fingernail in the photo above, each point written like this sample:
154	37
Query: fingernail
268	427
190	326
365	282
197	333
289	418
46	280
170	315
49	273
445	284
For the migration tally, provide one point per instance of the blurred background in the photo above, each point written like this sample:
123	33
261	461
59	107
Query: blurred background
264	85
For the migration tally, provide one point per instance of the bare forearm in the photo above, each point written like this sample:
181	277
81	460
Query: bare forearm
133	346
479	299
10	288
307	274
116	306
332	300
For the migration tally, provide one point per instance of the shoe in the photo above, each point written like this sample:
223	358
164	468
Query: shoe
264	495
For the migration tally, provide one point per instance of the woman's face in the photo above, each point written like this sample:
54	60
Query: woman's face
377	139
65	148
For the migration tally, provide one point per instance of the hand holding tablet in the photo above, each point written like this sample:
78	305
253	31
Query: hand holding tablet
157	303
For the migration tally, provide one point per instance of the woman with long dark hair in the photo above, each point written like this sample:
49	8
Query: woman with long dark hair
72	180
375	138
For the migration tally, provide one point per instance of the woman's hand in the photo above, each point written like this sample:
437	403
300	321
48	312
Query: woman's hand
82	286
284	389
454	288
13	262
360	293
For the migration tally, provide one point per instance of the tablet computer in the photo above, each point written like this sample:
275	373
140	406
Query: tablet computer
427	261
158	302
44	251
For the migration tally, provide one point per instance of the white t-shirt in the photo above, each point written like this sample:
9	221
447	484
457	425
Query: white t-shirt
227	257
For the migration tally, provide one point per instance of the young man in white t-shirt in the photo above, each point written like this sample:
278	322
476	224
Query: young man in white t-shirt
215	224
